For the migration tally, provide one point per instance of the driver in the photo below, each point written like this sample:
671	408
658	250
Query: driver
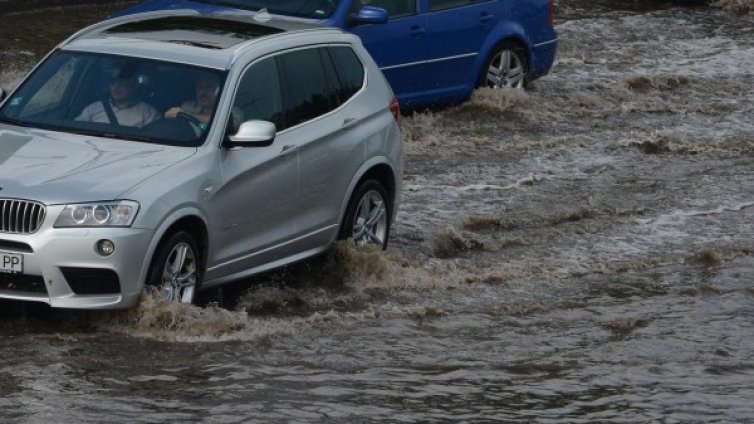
123	106
207	88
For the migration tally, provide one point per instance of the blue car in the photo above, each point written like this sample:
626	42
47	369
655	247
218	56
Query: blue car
433	52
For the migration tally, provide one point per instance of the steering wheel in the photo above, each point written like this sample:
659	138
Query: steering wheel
191	118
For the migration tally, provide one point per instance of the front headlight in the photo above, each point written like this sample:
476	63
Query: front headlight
118	213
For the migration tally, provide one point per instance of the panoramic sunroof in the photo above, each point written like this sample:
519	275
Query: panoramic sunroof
210	33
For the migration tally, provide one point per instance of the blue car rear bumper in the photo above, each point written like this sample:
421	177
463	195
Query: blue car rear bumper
543	56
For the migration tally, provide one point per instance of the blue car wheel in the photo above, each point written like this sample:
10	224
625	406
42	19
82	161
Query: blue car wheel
507	67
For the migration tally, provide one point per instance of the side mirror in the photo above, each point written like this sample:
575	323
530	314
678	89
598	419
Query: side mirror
2	95
369	15
253	134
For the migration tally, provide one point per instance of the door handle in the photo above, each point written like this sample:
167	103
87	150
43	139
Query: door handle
416	31
287	150
486	18
347	122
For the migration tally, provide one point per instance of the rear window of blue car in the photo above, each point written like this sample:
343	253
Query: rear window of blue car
449	4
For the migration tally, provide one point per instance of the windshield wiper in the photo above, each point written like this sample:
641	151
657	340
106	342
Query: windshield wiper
13	121
129	137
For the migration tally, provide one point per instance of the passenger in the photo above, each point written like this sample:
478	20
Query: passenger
122	108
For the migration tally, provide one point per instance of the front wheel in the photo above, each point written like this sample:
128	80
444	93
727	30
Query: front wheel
506	68
175	273
367	219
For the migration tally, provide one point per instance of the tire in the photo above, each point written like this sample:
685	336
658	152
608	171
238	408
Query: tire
178	250
502	74
367	219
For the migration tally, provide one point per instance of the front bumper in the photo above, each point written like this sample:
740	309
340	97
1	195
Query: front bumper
51	251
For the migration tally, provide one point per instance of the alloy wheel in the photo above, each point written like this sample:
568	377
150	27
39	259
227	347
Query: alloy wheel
179	275
506	70
370	222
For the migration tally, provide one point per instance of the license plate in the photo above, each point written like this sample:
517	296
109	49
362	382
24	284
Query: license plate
11	262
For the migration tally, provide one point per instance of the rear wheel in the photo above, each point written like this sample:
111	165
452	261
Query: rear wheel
175	273
505	68
367	219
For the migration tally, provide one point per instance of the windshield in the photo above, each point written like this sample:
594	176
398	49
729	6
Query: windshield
118	97
315	9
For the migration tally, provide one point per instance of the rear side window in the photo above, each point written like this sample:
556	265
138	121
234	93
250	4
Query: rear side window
449	4
350	72
308	93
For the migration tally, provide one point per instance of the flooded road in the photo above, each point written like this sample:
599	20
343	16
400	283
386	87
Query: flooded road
582	252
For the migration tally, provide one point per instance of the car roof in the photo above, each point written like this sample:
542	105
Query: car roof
211	40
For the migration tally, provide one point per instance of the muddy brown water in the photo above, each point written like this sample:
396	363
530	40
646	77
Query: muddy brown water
579	253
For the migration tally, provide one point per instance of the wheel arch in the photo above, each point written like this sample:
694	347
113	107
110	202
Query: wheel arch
378	169
503	33
190	220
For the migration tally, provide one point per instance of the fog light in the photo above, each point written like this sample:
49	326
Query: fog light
105	247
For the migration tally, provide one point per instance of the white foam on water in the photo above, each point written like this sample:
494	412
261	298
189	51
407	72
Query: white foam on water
676	218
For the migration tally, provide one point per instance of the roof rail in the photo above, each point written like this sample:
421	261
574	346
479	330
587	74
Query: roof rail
244	47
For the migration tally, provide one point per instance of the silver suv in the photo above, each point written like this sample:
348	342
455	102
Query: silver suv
184	151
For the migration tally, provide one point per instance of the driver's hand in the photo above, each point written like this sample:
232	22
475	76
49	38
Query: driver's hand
173	112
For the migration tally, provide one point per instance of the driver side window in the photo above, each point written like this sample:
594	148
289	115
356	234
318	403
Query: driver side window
258	96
